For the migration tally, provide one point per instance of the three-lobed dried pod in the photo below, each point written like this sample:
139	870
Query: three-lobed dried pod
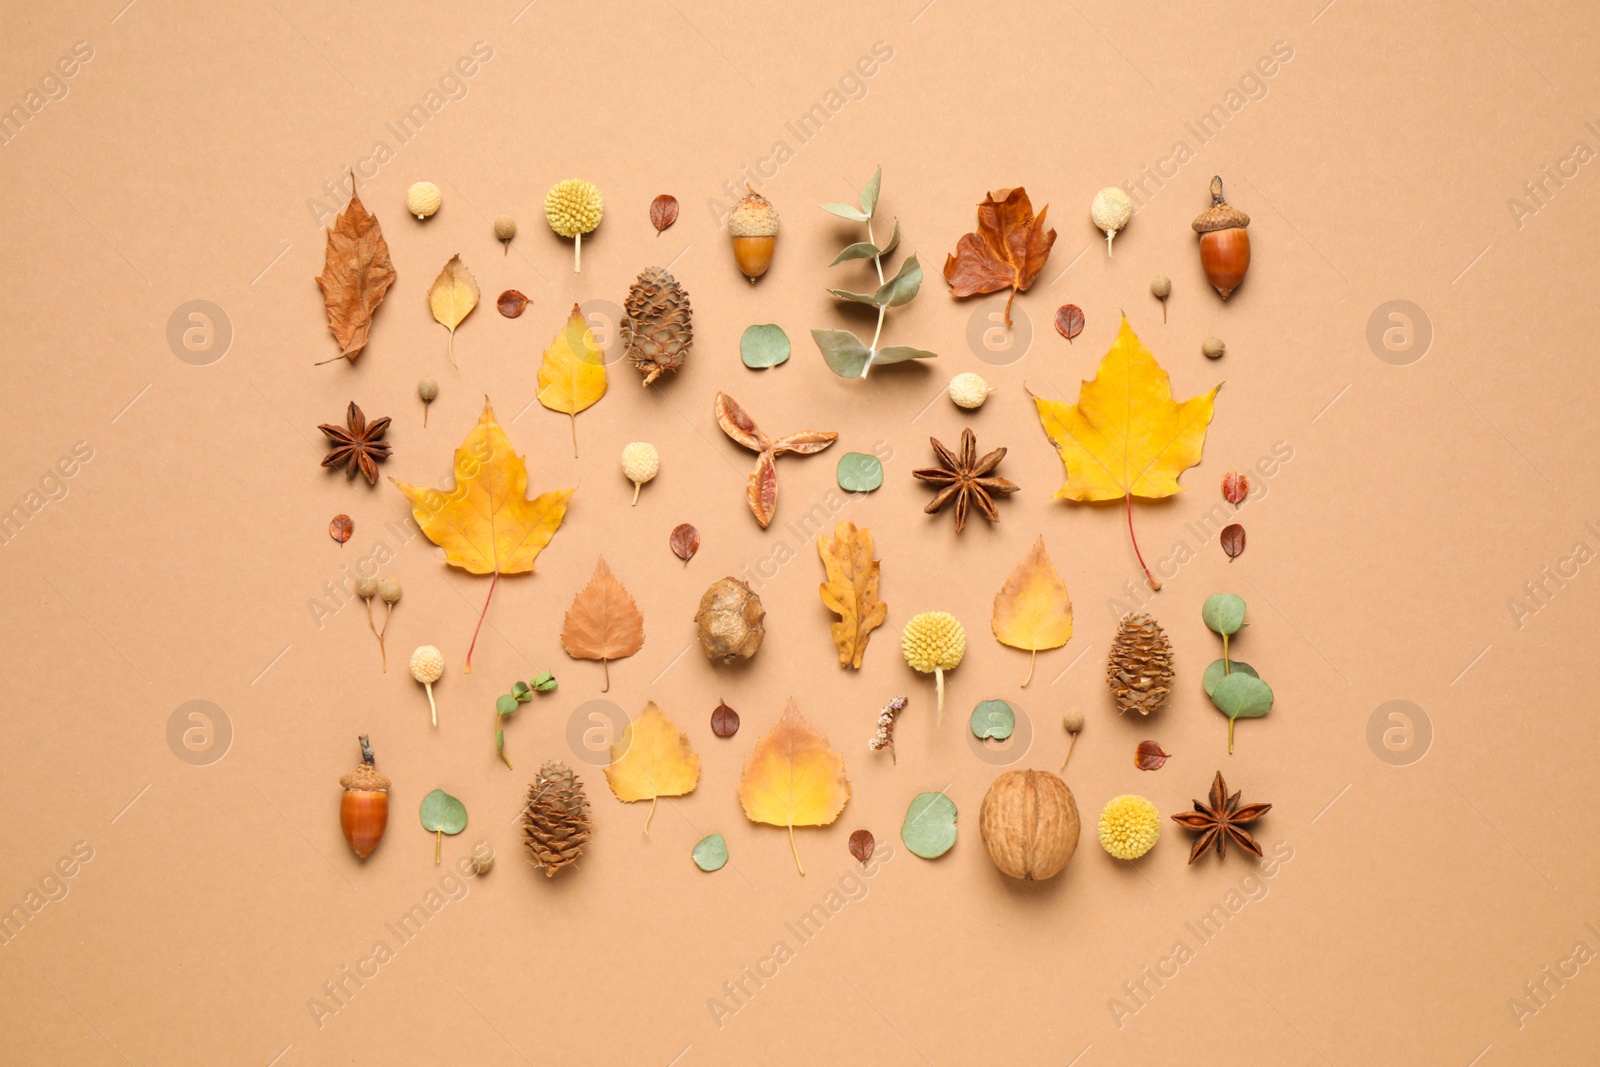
364	808
658	329
555	820
1139	669
729	621
1224	243
1029	824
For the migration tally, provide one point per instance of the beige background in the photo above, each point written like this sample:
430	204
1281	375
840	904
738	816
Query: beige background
181	563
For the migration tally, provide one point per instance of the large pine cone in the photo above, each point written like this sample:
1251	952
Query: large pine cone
556	818
657	330
1139	671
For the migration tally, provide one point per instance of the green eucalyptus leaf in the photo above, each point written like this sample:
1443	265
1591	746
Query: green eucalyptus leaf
545	682
859	472
845	211
1223	613
859	298
520	690
1242	696
930	827
901	353
894	240
1218	669
869	195
859	250
711	852
506	704
902	287
993	718
842	351
443	813
764	346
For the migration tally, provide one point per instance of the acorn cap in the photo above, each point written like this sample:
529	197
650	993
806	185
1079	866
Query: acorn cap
754	217
365	776
1221	215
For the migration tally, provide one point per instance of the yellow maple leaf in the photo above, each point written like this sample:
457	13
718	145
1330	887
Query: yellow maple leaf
851	591
573	374
652	759
485	523
1126	436
792	778
1032	610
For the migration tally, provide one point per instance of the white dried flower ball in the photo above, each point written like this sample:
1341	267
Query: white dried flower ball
422	199
1111	211
969	391
427	664
640	462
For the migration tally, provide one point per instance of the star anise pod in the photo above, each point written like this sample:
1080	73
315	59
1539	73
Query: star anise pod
358	445
965	479
1220	821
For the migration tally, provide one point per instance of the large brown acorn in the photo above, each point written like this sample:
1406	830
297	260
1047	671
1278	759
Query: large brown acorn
364	809
754	227
1224	244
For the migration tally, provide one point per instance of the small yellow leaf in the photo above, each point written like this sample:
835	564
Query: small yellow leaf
851	591
1032	610
453	296
652	759
792	778
573	374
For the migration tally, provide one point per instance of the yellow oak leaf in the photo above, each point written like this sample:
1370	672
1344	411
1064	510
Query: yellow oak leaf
1032	610
485	523
451	299
573	374
851	591
792	778
1126	436
652	759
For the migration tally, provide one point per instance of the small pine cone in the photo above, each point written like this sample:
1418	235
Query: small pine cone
1139	671
556	818
657	331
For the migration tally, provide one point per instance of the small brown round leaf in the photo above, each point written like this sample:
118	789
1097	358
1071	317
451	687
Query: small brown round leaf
1149	756
862	844
340	528
511	303
724	721
1235	487
685	541
663	211
1069	321
1232	539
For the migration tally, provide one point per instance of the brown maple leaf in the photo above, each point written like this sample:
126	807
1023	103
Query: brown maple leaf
358	445
1224	818
356	273
1007	250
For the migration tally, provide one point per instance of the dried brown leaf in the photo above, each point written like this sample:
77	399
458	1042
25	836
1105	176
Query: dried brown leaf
663	211
1232	540
724	720
356	273
685	541
1069	321
1008	250
512	303
340	528
603	622
862	844
1235	487
1150	756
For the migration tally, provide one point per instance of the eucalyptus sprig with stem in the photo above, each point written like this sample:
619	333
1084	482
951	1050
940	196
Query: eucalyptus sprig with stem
508	703
846	356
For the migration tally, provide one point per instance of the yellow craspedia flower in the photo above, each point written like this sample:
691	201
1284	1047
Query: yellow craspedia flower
1129	827
934	642
573	207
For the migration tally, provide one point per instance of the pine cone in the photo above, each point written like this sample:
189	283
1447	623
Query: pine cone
657	330
1139	671
556	818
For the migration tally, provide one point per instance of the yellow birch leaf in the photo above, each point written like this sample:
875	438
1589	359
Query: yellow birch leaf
851	591
453	296
792	778
573	374
652	759
1126	436
485	523
1032	610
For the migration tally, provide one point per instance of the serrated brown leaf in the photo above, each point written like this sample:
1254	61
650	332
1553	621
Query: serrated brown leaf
685	541
511	303
356	273
1232	540
862	844
1150	756
603	622
1235	487
663	211
340	527
1008	249
851	591
1069	321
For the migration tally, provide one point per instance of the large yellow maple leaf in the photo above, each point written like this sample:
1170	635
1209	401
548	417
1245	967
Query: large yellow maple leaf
792	778
485	523
652	759
1126	436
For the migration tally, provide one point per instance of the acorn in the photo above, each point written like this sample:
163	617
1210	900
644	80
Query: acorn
754	227
1224	244
364	810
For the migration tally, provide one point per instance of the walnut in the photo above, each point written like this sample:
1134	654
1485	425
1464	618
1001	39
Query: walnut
1029	824
729	621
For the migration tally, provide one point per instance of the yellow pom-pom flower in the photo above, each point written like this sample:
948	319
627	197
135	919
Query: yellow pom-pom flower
573	208
934	642
1129	827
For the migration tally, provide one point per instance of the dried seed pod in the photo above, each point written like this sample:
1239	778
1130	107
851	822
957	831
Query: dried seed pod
505	228
482	858
1029	824
1139	670
729	621
364	808
1224	244
754	228
1213	348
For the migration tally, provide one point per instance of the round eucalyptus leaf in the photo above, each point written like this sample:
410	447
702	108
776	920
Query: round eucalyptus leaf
443	813
710	853
993	718
505	704
1223	612
930	827
764	346
859	472
1242	696
1215	672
